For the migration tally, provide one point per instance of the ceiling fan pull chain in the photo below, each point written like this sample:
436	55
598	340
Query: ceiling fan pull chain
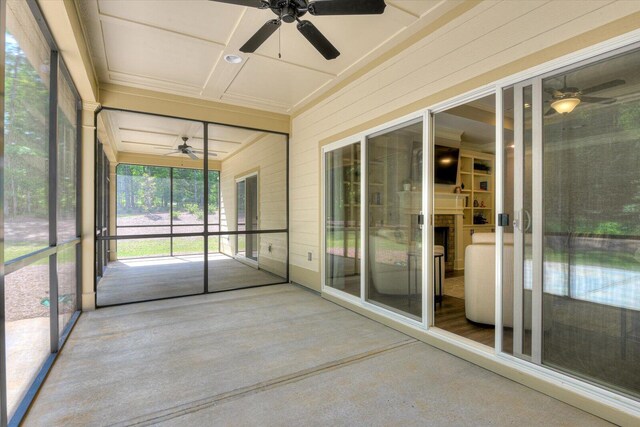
280	43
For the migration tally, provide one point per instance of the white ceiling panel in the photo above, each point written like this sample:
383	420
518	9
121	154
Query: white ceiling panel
353	36
177	47
277	81
170	15
157	54
417	7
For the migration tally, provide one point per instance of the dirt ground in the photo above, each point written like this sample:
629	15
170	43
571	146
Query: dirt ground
27	292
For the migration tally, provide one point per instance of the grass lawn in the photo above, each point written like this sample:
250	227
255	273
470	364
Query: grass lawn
14	251
138	248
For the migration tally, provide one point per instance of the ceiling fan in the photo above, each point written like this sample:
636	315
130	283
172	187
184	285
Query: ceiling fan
185	148
291	10
564	100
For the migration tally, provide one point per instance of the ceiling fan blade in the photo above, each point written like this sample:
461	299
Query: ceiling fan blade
260	36
553	91
172	152
344	7
603	86
248	3
189	153
597	100
202	152
550	112
319	41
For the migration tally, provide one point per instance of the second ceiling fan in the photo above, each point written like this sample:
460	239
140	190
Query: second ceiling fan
185	148
291	10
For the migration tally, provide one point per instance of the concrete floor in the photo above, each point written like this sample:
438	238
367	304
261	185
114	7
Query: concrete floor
277	355
142	279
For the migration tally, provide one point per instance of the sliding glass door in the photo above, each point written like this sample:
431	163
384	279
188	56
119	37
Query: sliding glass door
575	204
394	218
386	195
342	219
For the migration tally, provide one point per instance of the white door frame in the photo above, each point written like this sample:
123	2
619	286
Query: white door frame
523	220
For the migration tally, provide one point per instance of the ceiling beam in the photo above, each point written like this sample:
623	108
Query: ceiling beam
64	23
168	161
147	101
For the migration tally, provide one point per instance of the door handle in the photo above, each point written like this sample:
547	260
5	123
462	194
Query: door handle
420	220
520	222
528	215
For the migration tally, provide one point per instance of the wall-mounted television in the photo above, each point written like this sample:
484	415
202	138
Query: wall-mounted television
446	165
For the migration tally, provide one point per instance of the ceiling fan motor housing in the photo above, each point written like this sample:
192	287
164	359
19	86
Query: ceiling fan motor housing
289	10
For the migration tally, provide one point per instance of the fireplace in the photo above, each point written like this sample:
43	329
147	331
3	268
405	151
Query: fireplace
441	238
444	235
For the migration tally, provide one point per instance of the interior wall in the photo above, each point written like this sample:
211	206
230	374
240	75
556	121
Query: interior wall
491	41
267	157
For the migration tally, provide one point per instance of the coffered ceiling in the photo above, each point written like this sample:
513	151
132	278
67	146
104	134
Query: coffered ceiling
179	47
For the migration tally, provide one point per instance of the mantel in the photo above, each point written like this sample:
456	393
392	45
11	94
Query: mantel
449	203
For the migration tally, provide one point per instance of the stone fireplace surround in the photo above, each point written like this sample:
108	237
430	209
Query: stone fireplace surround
448	212
449	222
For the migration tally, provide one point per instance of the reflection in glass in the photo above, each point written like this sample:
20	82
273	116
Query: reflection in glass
27	328
591	281
394	235
342	227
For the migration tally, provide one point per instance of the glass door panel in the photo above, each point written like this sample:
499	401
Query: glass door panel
342	219
576	240
591	182
394	232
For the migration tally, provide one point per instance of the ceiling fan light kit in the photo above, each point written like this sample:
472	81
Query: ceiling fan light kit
290	11
566	99
566	105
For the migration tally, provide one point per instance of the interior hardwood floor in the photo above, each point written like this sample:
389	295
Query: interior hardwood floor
450	317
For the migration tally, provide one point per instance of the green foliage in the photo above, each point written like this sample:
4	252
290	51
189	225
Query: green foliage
591	173
26	135
146	189
609	227
194	209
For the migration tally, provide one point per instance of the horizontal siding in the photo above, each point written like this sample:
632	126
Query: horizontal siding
268	157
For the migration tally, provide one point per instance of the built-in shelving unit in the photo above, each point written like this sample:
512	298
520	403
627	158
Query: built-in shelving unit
352	184
477	177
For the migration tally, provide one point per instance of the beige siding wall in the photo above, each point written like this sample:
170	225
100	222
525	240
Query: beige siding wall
267	157
491	41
